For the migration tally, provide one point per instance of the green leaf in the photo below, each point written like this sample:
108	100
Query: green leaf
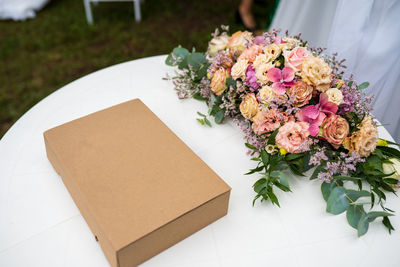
354	214
201	121
273	198
184	63
250	146
391	181
326	189
202	72
258	169
293	156
347	178
201	114
349	84
295	170
387	224
389	151
369	217
337	201
198	96
284	179
356	194
271	139
363	224
196	60
207	121
317	170
363	85
179	52
260	184
219	116
265	158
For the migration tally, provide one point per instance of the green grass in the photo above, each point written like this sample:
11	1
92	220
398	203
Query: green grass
41	55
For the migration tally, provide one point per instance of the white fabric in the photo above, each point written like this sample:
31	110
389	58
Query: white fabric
310	17
20	9
369	40
40	226
366	34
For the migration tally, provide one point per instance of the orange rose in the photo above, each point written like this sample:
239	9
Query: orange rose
218	82
302	93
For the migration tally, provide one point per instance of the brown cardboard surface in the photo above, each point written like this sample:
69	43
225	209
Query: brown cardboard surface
139	187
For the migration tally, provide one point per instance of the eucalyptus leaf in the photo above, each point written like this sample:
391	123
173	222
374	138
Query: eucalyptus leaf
354	214
363	85
356	194
284	179
326	189
366	218
219	116
316	171
337	201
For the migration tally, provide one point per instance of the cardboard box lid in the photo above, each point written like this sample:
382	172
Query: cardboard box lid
133	174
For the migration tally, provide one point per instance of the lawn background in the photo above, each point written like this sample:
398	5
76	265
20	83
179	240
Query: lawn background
40	55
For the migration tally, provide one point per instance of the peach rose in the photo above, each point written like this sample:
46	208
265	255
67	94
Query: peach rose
249	106
251	53
364	140
316	72
293	136
237	42
218	82
295	57
269	120
302	93
335	129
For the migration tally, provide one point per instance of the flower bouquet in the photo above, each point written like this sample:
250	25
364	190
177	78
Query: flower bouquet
298	113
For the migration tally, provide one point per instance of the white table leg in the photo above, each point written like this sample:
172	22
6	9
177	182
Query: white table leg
138	16
88	10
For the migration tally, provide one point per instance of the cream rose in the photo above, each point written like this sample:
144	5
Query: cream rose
261	72
289	43
249	106
218	82
238	70
266	94
217	44
315	71
237	42
335	96
364	140
301	92
260	60
272	51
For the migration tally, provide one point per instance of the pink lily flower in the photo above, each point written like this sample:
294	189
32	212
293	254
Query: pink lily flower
315	114
281	79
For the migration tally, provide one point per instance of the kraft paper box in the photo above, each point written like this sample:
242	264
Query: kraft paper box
139	187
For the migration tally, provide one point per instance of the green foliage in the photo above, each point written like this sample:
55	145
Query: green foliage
363	86
179	53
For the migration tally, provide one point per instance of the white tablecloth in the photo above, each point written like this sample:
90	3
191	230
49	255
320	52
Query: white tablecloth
41	226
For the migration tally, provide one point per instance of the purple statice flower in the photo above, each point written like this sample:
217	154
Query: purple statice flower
249	135
354	100
325	177
220	60
318	156
259	40
205	90
251	78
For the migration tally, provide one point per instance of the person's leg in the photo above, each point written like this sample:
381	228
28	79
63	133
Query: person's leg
246	14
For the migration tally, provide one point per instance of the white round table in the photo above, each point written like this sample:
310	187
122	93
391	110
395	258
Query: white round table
41	226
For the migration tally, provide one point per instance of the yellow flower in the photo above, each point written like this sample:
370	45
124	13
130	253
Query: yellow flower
283	151
382	142
316	72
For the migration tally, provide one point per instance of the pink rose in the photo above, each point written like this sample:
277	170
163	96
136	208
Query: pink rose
293	136
295	57
335	129
251	53
268	121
